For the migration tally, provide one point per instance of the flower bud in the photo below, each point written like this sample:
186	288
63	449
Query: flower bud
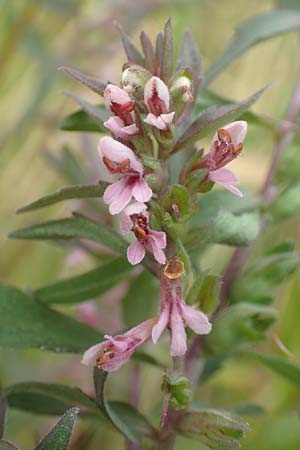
134	79
181	89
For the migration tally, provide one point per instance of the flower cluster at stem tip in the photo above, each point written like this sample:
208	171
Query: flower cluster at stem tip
144	113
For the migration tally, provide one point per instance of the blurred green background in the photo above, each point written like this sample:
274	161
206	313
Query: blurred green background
38	36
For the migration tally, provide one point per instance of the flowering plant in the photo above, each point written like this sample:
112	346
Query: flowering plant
160	208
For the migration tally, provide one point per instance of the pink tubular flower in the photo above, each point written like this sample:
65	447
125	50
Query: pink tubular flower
113	353
122	123
120	159
157	100
135	218
227	144
175	314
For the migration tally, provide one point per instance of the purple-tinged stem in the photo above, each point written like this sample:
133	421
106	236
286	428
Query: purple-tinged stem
134	394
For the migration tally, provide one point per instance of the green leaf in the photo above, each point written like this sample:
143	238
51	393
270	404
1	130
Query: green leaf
59	437
124	417
167	62
99	115
247	409
2	413
76	227
259	28
66	193
25	323
213	118
278	364
219	430
148	51
177	202
140	299
90	82
47	398
80	120
86	286
226	228
189	56
178	387
133	54
210	204
240	324
4	445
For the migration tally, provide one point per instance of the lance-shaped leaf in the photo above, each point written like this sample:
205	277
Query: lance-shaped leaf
99	115
226	228
124	417
25	323
2	413
49	399
4	445
213	118
167	61
282	366
80	120
86	286
90	82
133	54
76	227
259	28
148	52
240	324
218	430
66	193
59	437
189	56
139	301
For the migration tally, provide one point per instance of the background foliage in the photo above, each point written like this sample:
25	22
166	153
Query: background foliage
35	38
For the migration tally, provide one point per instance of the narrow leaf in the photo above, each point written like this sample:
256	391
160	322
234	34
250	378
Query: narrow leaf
99	115
189	56
259	28
138	303
213	118
4	445
124	417
90	82
148	52
2	413
82	121
51	331
133	54
167	62
86	286
59	437
46	398
278	364
66	193
77	227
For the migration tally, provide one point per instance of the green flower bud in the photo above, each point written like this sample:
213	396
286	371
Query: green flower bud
134	79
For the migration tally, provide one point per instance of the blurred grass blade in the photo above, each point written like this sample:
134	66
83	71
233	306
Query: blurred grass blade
2	413
48	398
213	118
66	193
25	323
167	61
280	365
133	54
124	417
259	28
86	286
80	120
76	227
98	114
59	437
90	82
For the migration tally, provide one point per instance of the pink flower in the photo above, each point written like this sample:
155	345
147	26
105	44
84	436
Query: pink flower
157	100
227	145
122	123
120	159
113	353
176	314
135	218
